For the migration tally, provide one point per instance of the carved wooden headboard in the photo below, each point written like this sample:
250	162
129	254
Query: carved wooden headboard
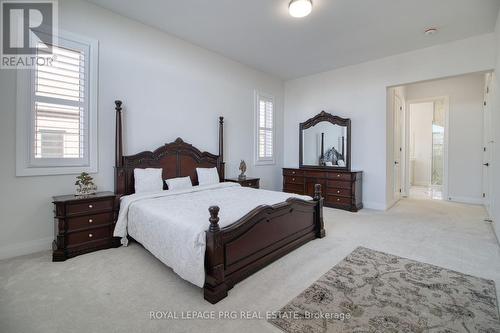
177	159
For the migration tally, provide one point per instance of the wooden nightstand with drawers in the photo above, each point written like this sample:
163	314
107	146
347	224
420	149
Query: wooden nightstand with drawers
84	224
248	182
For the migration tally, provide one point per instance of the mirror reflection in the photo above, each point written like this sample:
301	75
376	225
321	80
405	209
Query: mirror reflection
324	144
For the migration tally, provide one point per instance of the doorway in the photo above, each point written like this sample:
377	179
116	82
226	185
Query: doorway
427	147
449	157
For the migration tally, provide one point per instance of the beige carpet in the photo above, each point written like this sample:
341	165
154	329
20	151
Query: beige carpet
115	290
371	291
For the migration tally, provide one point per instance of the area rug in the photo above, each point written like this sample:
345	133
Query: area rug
371	291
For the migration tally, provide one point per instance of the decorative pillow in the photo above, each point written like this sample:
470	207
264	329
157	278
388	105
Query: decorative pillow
207	176
148	180
179	183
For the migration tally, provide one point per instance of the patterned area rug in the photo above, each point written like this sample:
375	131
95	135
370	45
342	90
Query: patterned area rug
372	291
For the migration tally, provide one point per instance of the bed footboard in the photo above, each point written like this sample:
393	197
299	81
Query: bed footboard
257	239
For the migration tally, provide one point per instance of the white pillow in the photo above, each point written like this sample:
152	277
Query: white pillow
207	176
148	180
179	183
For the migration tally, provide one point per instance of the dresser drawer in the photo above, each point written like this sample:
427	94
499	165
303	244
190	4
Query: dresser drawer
80	237
294	188
335	200
342	192
250	183
90	207
338	184
293	172
339	176
89	221
293	180
315	174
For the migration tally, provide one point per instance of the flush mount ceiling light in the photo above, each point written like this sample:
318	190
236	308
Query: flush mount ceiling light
430	31
300	8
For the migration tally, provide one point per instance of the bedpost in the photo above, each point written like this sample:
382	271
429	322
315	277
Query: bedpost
320	226
215	288
221	149
118	138
119	176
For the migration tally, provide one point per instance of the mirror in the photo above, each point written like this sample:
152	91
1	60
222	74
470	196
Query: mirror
325	142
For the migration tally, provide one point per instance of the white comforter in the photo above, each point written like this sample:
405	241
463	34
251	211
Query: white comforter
172	224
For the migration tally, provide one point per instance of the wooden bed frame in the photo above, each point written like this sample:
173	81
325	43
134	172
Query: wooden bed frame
254	241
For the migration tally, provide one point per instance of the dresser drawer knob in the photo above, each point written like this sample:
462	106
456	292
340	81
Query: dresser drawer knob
90	235
91	221
293	172
338	191
293	179
338	175
91	206
338	199
249	184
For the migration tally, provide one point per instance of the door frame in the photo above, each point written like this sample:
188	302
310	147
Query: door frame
446	100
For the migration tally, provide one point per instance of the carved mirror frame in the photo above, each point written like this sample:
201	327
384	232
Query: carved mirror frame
335	120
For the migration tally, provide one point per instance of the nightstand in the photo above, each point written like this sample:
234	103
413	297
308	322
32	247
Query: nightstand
248	182
84	224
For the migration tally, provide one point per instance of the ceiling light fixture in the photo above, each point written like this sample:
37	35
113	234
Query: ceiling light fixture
431	31
300	8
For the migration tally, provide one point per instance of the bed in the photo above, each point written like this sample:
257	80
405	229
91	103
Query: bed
214	235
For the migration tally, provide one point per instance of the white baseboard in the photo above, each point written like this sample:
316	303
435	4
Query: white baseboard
423	184
20	249
496	232
469	200
374	205
391	204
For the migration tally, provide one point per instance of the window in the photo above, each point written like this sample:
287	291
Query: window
57	111
264	116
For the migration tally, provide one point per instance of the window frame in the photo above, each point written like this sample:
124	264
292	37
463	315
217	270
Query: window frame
25	162
258	96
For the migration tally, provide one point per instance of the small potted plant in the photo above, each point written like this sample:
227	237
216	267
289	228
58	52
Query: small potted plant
85	184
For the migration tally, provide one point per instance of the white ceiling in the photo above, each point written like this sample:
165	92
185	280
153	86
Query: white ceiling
261	34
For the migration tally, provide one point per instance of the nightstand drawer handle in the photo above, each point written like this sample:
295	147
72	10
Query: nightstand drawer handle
293	172
90	235
91	221
91	206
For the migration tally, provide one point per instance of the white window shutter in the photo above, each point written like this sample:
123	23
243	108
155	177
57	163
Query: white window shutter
265	129
61	107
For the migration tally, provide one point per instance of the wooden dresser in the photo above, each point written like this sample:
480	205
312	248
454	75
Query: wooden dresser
340	188
84	224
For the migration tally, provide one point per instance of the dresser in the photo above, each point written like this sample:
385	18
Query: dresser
84	224
340	188
248	182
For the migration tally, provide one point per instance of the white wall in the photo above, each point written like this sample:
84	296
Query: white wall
465	142
421	116
360	92
170	89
